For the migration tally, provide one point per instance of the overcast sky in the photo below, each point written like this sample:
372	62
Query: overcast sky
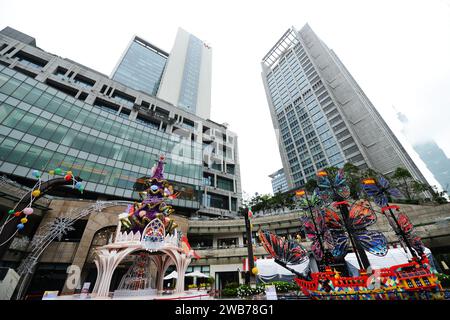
398	52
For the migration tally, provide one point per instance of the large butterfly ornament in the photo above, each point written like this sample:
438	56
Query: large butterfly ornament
361	215
314	231
379	190
408	230
329	189
285	250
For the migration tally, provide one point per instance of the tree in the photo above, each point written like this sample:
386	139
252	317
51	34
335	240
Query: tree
403	176
311	185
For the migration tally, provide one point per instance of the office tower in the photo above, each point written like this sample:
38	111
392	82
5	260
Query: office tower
57	113
182	78
320	114
279	183
432	155
141	66
186	81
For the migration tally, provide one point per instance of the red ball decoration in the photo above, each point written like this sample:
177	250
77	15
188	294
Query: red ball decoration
68	177
17	213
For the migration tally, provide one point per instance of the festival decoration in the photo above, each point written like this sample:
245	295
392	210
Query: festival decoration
360	217
413	280
153	203
33	195
379	189
314	224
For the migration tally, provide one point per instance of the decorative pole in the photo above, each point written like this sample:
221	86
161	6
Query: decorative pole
251	263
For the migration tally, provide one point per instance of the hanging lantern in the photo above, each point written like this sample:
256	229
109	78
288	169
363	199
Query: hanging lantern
27	211
255	270
24	220
36	193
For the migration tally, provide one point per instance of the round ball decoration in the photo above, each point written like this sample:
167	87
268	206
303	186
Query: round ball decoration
27	211
35	173
255	270
24	220
36	193
68	177
20	226
69	172
11	211
17	213
58	171
51	172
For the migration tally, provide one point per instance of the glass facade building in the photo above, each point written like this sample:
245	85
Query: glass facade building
191	75
141	67
279	183
107	133
320	115
41	128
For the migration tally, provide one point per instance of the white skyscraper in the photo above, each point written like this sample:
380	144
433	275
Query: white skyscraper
186	80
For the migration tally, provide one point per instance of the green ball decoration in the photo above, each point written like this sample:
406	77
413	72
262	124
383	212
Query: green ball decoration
11	211
58	171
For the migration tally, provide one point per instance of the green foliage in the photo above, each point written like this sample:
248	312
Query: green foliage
230	289
311	185
284	286
281	287
444	279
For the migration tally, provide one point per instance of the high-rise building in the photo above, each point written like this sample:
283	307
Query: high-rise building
57	113
432	155
279	183
182	78
141	66
436	161
186	81
320	114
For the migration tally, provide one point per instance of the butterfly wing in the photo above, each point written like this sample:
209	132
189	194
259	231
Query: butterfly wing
288	251
372	241
361	215
332	219
340	243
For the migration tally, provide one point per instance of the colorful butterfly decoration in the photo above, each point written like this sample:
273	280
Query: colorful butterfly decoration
313	232
312	205
379	190
285	250
361	216
408	230
329	190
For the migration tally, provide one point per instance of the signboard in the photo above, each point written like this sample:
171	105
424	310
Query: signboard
50	295
271	292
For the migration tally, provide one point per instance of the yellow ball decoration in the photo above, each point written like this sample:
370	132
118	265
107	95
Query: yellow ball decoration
36	193
255	270
24	220
69	173
52	172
